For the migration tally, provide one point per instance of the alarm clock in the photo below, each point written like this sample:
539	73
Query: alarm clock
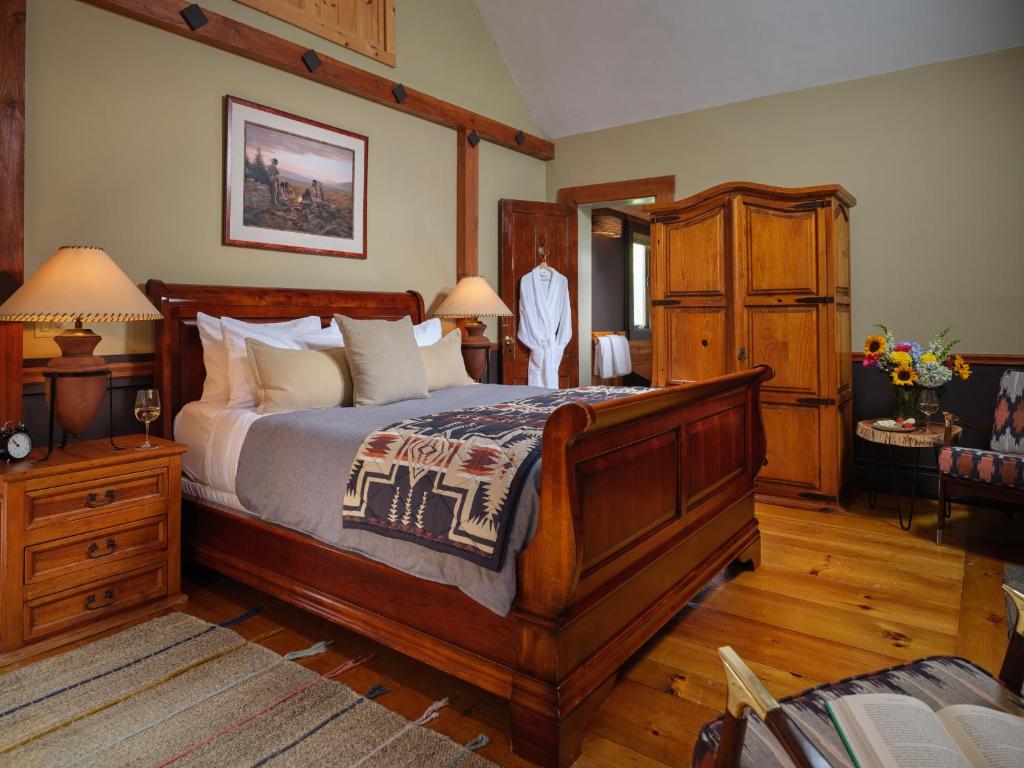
15	442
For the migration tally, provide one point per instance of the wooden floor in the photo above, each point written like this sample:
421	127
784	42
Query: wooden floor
837	595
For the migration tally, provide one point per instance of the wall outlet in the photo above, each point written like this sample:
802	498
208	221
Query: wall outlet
47	330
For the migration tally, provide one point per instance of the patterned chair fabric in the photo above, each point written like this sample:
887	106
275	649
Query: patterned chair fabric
985	466
939	681
1008	425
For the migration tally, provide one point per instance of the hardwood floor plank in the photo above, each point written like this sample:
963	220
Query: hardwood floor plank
651	723
854	573
599	752
924	610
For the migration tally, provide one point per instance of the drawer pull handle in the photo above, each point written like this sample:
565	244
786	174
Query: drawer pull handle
92	605
94	548
93	500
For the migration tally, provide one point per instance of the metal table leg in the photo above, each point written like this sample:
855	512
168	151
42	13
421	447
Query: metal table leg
896	487
872	492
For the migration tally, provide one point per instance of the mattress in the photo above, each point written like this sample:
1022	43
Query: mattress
214	435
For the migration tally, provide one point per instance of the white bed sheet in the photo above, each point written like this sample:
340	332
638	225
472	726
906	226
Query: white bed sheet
214	435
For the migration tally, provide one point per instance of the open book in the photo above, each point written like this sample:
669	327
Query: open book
884	730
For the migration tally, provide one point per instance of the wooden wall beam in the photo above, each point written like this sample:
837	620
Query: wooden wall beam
661	188
12	195
467	182
232	36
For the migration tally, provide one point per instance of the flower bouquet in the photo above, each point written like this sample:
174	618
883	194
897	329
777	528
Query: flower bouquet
912	368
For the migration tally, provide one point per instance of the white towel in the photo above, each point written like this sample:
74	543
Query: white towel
604	358
621	364
611	357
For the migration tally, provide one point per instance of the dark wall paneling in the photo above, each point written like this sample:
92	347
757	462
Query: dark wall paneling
973	400
608	281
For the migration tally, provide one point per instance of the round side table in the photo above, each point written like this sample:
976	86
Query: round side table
930	436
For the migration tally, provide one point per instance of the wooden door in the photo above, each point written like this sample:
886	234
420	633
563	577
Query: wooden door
781	284
527	228
691	312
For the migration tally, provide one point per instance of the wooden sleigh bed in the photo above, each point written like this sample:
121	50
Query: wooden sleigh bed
643	500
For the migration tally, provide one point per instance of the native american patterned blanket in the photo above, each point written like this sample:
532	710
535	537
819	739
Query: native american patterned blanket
451	481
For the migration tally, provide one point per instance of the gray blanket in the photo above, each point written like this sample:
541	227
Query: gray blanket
293	468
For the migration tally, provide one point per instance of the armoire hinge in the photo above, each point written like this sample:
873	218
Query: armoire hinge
812	205
816	300
816	496
815	401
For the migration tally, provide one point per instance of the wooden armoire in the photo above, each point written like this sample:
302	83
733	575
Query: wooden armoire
743	274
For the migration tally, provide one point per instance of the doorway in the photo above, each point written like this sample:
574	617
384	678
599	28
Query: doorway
614	259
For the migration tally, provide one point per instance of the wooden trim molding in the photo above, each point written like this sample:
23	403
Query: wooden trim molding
140	366
12	194
980	359
233	36
661	188
467	205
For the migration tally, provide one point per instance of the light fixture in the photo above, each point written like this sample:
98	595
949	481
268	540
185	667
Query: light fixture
606	225
78	284
473	298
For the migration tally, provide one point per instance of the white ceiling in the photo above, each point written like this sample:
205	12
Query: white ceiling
589	64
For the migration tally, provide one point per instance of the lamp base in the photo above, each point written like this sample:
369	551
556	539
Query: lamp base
78	398
475	347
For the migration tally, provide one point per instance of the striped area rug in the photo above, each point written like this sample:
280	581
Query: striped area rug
178	692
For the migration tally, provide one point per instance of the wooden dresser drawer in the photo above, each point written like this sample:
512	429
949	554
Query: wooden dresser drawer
54	505
80	554
65	610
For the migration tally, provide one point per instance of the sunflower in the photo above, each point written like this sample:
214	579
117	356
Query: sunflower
904	376
961	367
874	345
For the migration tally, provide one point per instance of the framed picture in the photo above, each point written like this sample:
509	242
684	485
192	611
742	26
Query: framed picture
292	184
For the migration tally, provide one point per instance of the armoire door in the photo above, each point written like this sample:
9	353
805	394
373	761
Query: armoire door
782	279
531	231
691	312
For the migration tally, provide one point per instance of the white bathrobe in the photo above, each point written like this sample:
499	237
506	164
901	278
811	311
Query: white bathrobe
545	323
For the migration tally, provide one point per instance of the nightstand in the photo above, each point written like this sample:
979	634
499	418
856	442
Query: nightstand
90	539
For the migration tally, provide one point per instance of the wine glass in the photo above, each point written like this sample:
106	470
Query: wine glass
147	409
928	405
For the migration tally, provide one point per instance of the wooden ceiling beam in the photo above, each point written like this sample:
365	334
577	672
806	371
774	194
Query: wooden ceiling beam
226	34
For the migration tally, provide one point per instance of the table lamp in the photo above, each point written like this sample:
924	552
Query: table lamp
78	284
473	298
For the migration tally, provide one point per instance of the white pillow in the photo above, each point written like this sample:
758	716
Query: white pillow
243	391
216	388
427	332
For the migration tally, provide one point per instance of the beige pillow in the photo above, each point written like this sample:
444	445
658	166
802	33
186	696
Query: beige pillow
384	359
294	379
444	363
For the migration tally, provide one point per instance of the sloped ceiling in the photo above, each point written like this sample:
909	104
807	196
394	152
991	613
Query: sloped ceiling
583	65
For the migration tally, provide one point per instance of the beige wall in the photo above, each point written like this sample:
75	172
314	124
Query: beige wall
934	155
125	150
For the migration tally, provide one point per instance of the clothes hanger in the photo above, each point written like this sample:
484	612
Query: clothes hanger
543	263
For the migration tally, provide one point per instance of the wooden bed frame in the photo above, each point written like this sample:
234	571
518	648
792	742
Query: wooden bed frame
643	500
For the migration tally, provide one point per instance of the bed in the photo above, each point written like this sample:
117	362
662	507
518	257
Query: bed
601	574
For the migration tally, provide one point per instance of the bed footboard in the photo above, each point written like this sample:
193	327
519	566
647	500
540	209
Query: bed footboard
643	500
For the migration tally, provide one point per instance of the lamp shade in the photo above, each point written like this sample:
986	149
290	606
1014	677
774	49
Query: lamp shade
472	297
76	284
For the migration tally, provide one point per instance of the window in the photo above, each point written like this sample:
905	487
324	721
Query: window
639	289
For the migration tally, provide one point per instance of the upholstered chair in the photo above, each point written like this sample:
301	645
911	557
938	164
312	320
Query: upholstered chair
996	473
799	727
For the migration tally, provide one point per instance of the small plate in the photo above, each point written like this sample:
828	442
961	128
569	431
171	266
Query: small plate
890	425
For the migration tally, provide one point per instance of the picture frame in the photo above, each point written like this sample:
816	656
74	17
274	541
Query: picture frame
293	184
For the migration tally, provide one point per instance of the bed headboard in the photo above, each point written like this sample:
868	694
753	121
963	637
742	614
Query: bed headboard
178	369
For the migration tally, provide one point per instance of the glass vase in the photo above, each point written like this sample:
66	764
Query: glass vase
906	403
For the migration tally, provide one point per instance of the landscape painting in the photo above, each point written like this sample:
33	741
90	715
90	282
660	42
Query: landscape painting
302	184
